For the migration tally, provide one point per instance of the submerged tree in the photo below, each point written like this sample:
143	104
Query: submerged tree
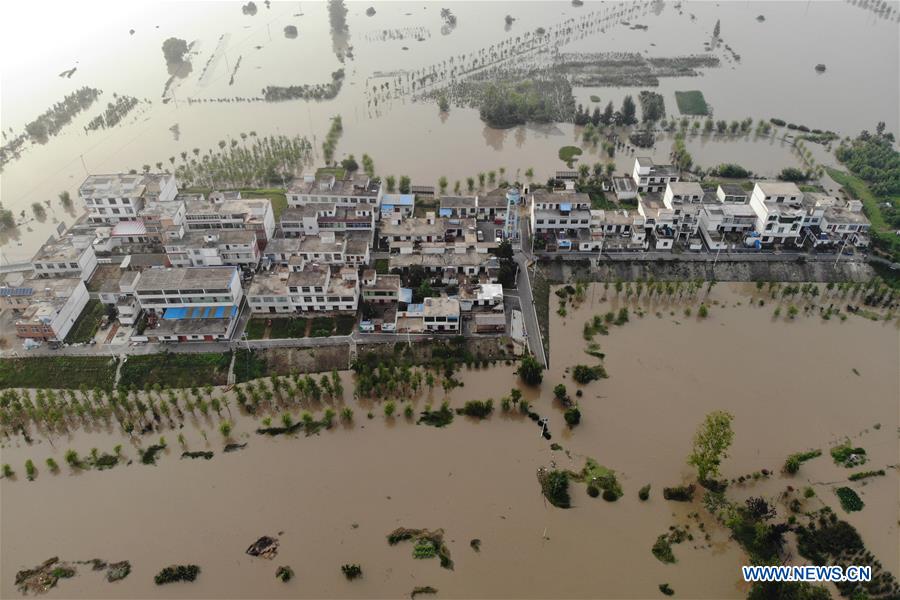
711	443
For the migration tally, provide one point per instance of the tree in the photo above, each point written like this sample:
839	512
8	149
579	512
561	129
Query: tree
628	111
608	114
505	249
791	174
442	183
572	416
404	184
350	164
174	50
717	29
530	370
560	392
443	103
225	429
391	183
66	199
711	443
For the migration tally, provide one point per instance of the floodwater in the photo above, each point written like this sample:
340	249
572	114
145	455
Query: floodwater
775	77
337	495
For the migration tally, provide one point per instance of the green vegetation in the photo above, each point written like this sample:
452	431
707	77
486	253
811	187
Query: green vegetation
8	471
87	324
644	493
662	548
175	573
382	266
176	370
255	329
248	365
504	105
692	103
730	171
848	456
321	327
437	418
530	370
711	443
653	106
30	470
572	416
59	372
569	154
584	374
885	219
681	493
284	573
600	477
850	500
793	462
665	589
866	475
351	571
292	327
60	114
480	409
555	487
332	137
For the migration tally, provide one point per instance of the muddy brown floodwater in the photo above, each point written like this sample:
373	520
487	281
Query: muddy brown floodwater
335	496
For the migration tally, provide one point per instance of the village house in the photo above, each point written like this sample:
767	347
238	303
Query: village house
230	211
350	191
120	197
214	248
779	211
305	288
190	303
398	204
53	307
66	256
650	177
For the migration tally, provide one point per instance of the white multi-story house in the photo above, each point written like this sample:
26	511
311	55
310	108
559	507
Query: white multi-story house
563	219
215	248
191	303
351	191
163	220
616	231
380	289
53	308
310	219
230	211
779	211
834	220
120	197
308	288
650	177
685	199
68	256
441	315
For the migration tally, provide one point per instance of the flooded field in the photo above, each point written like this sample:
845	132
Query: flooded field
332	498
233	56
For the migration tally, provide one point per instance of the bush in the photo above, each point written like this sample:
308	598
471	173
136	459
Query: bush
351	572
584	374
662	549
610	496
865	474
850	500
593	491
572	416
665	589
732	171
792	174
175	573
555	487
644	493
530	370
284	573
682	493
480	409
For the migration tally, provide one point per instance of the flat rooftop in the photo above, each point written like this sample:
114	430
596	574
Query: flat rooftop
118	185
66	248
186	278
779	188
326	184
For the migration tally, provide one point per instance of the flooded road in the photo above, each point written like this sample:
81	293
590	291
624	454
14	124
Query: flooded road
775	77
335	496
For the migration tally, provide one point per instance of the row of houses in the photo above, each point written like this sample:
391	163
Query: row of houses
669	212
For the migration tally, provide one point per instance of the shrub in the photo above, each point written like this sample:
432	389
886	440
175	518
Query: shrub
848	456
793	462
865	474
530	370
662	549
555	487
610	496
30	471
644	492
175	573
682	493
703	311
584	374
351	572
284	573
665	589
479	409
593	491
850	500
572	416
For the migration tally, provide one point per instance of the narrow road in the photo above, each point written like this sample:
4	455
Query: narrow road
529	312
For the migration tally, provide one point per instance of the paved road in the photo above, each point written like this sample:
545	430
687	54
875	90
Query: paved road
529	312
706	256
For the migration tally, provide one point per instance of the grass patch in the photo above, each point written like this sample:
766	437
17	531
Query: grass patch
172	370
87	324
691	103
338	172
382	266
287	328
248	365
881	231
850	500
344	324
59	372
601	478
569	154
322	327
256	329
866	475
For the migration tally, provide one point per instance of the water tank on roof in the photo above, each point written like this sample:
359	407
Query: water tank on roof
512	195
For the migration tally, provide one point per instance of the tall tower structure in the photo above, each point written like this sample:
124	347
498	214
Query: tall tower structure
511	228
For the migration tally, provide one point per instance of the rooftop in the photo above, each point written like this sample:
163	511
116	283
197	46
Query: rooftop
778	188
186	278
310	275
269	284
398	199
119	185
733	189
68	247
685	188
441	307
326	184
459	201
